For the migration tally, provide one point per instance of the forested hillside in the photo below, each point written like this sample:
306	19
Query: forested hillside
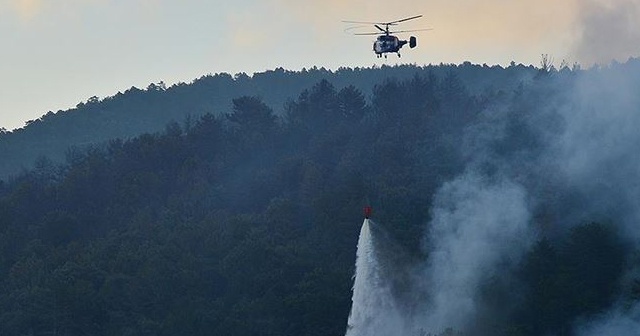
243	219
137	111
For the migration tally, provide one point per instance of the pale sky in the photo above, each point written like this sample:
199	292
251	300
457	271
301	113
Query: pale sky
57	53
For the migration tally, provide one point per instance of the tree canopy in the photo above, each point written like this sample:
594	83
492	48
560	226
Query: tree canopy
243	219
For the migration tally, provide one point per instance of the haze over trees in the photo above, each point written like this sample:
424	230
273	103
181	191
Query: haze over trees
241	216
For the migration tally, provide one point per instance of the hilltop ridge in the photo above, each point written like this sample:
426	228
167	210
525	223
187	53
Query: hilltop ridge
138	111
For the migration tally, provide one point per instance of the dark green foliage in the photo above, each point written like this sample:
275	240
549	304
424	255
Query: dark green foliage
579	278
222	226
137	111
243	220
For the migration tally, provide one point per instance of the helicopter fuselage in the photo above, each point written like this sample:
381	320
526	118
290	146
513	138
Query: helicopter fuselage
387	44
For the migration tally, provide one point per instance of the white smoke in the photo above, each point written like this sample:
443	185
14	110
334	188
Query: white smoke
599	158
607	30
598	149
583	164
481	220
480	228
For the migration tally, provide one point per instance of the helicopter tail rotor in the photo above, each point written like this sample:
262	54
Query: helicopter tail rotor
413	42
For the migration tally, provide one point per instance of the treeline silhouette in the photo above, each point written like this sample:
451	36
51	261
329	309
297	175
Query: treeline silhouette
246	222
137	111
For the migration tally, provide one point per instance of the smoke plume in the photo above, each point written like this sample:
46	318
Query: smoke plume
580	140
480	228
561	154
607	30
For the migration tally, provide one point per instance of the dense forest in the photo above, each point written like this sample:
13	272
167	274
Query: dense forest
137	111
241	216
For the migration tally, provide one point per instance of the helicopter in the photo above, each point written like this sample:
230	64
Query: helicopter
388	43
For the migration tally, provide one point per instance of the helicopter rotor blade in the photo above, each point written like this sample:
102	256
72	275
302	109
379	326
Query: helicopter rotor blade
403	20
349	29
380	25
395	32
390	23
380	28
363	22
410	30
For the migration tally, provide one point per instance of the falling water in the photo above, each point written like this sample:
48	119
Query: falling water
373	310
